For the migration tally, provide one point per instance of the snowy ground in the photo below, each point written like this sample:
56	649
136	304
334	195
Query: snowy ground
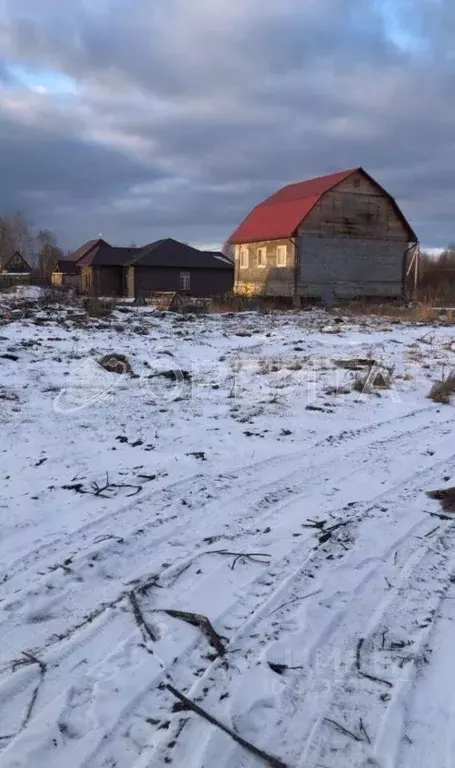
332	648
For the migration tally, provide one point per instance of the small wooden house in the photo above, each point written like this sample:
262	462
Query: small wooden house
14	270
168	265
66	275
165	265
336	236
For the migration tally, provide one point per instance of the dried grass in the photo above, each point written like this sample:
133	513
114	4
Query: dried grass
52	296
232	303
295	365
237	365
355	364
331	391
96	307
442	390
374	379
423	312
269	366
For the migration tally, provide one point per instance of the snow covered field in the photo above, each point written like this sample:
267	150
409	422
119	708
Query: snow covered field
182	529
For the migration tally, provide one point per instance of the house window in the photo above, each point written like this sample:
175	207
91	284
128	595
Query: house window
185	280
243	257
281	255
262	257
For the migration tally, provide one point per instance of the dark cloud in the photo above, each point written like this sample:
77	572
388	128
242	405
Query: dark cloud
59	179
184	113
34	160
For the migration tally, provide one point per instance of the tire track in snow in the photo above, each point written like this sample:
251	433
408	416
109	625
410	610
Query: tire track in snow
395	640
341	619
183	486
325	470
426	716
250	622
91	566
318	655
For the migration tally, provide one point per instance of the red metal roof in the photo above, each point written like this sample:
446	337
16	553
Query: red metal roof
281	214
274	222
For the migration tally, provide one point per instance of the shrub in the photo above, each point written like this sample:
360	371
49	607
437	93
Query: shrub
269	366
95	307
442	390
295	365
51	296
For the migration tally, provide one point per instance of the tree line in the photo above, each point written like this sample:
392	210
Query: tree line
437	276
38	246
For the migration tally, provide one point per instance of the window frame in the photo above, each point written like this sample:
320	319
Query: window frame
261	255
244	257
185	277
281	262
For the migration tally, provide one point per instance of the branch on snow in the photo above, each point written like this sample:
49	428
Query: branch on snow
327	533
254	557
342	729
106	491
31	706
190	705
203	623
108	537
146	630
295	600
365	674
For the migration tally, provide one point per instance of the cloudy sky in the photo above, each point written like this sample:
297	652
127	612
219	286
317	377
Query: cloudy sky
140	119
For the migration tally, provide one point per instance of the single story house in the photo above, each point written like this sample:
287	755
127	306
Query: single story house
336	236
66	275
169	265
165	265
14	270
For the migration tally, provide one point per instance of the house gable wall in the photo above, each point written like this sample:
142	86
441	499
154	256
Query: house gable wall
16	264
353	243
356	208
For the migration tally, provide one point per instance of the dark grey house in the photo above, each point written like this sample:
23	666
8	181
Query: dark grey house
165	265
168	265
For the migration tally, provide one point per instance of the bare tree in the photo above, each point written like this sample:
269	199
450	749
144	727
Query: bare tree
228	250
437	275
49	253
6	240
24	239
16	235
